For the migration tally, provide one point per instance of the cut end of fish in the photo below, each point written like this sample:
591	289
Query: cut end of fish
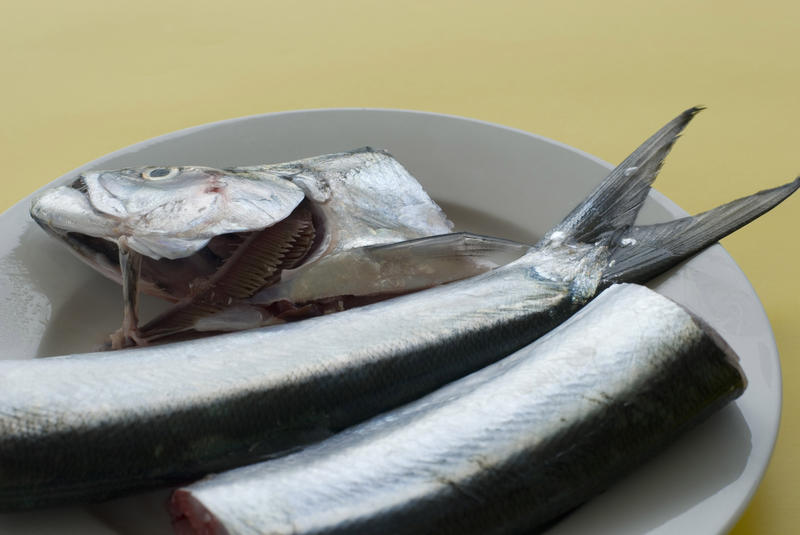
728	355
189	517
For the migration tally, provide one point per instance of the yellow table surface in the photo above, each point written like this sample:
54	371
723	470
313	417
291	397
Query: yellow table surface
85	77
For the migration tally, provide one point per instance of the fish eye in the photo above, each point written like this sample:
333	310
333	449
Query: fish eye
160	173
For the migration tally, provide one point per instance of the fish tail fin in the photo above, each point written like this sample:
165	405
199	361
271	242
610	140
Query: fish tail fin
614	204
645	251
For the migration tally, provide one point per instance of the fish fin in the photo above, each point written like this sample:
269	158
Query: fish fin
392	269
645	251
615	203
498	251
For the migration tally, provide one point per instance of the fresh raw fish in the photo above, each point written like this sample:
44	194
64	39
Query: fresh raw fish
504	450
92	426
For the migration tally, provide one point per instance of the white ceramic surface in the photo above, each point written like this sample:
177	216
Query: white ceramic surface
489	179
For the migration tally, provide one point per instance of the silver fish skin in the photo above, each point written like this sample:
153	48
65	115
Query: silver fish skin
88	427
506	450
92	426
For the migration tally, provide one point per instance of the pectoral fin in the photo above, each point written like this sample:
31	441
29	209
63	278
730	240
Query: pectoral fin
393	269
344	280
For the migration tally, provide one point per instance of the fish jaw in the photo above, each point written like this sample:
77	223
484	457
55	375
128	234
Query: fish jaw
170	217
161	214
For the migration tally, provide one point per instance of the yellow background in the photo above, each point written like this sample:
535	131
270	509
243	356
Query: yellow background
85	77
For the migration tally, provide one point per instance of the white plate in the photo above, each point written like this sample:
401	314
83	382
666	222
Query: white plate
490	179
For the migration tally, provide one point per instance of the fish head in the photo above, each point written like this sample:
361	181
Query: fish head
212	237
164	211
172	215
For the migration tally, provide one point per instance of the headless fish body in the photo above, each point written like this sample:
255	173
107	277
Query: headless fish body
88	427
505	450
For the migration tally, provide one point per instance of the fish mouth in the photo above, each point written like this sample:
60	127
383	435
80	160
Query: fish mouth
178	278
172	217
80	185
174	261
